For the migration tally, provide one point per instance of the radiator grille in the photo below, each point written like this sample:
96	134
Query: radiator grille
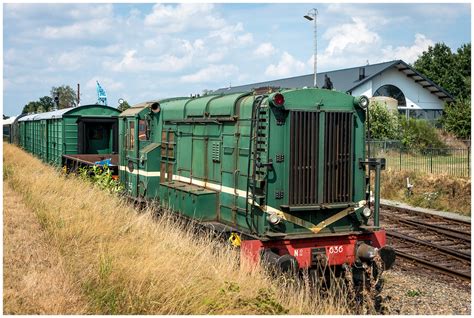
304	136
338	157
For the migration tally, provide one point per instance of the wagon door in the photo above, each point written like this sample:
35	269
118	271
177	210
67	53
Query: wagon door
44	140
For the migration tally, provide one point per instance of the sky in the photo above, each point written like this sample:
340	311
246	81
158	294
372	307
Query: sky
142	52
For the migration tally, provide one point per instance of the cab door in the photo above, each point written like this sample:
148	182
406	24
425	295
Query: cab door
143	141
131	156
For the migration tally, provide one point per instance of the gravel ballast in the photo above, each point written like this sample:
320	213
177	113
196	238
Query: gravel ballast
407	293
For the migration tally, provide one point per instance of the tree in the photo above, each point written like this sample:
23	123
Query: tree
457	118
419	134
67	96
44	104
464	66
31	107
452	71
123	106
383	122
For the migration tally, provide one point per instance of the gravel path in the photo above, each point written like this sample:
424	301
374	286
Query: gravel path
407	293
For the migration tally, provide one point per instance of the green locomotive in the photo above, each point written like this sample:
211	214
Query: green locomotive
284	171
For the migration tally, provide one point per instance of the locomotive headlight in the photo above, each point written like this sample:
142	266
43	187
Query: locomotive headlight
361	101
273	218
366	212
155	107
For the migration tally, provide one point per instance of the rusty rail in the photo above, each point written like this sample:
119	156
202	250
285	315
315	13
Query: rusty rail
436	243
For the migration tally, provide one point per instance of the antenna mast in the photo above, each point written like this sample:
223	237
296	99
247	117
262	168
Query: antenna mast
78	94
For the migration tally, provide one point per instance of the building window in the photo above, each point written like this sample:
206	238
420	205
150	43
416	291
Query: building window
392	91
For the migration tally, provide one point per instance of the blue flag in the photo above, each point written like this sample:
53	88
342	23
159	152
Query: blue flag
101	95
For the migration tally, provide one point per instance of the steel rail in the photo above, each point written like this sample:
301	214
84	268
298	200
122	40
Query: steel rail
445	250
457	263
463	275
460	235
423	214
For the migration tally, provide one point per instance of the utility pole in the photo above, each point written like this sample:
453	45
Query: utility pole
312	15
78	94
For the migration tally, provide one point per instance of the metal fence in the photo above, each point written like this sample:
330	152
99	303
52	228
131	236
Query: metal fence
452	161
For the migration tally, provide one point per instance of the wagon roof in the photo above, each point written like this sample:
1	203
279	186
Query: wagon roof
57	113
9	120
137	108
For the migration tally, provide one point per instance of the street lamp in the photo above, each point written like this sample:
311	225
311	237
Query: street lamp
312	16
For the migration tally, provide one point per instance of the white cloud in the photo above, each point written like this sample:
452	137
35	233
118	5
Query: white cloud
69	61
287	66
216	55
177	18
408	53
230	35
131	63
86	12
83	29
349	44
107	83
264	50
212	73
354	35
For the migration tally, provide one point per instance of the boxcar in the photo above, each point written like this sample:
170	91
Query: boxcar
7	129
89	129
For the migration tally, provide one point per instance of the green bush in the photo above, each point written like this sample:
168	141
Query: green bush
418	134
457	118
384	124
102	177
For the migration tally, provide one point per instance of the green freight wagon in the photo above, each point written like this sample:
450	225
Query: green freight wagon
89	129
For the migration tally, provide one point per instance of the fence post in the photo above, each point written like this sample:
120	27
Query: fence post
468	161
431	160
400	157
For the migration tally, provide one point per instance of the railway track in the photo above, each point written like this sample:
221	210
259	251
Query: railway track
432	242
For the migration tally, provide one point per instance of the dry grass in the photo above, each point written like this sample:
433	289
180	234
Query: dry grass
131	264
35	279
440	192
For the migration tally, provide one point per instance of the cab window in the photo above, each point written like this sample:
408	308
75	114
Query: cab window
143	130
131	135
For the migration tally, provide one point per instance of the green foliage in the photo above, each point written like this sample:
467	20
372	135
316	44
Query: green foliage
383	122
413	293
464	66
418	134
31	107
123	106
452	71
44	104
67	96
265	303
457	118
102	177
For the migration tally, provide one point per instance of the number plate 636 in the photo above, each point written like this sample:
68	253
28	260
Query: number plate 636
335	249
